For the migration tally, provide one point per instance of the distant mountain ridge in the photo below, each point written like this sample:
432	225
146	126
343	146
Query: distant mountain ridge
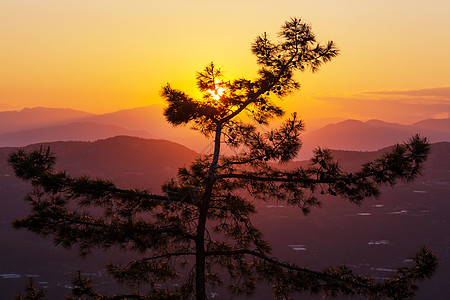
151	119
435	124
33	125
436	166
46	124
32	118
86	131
372	135
147	163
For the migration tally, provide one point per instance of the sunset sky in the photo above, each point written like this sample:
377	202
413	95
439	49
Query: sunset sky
106	55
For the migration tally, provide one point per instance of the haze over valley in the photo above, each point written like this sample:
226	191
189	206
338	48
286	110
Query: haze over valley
34	125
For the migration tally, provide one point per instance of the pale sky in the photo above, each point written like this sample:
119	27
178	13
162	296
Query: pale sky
106	55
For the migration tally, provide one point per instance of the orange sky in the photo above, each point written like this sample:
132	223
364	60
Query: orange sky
105	55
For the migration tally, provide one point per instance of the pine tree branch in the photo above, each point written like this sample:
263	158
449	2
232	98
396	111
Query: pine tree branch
289	266
293	179
144	195
77	222
167	255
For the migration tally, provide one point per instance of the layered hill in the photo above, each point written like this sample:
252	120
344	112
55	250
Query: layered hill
33	125
46	125
127	161
85	131
37	117
372	135
151	119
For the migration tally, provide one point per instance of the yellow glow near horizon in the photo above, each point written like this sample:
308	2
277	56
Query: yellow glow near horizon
102	56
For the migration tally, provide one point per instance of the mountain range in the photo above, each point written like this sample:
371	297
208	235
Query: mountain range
79	131
33	125
37	117
372	135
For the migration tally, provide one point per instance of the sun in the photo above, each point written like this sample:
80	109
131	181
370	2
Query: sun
217	92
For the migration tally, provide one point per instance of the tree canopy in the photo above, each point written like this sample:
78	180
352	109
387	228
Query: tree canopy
199	231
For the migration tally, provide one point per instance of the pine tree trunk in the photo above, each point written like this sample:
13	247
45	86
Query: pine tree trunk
200	286
200	256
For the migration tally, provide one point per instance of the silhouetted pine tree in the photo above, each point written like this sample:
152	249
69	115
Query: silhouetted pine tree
202	222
